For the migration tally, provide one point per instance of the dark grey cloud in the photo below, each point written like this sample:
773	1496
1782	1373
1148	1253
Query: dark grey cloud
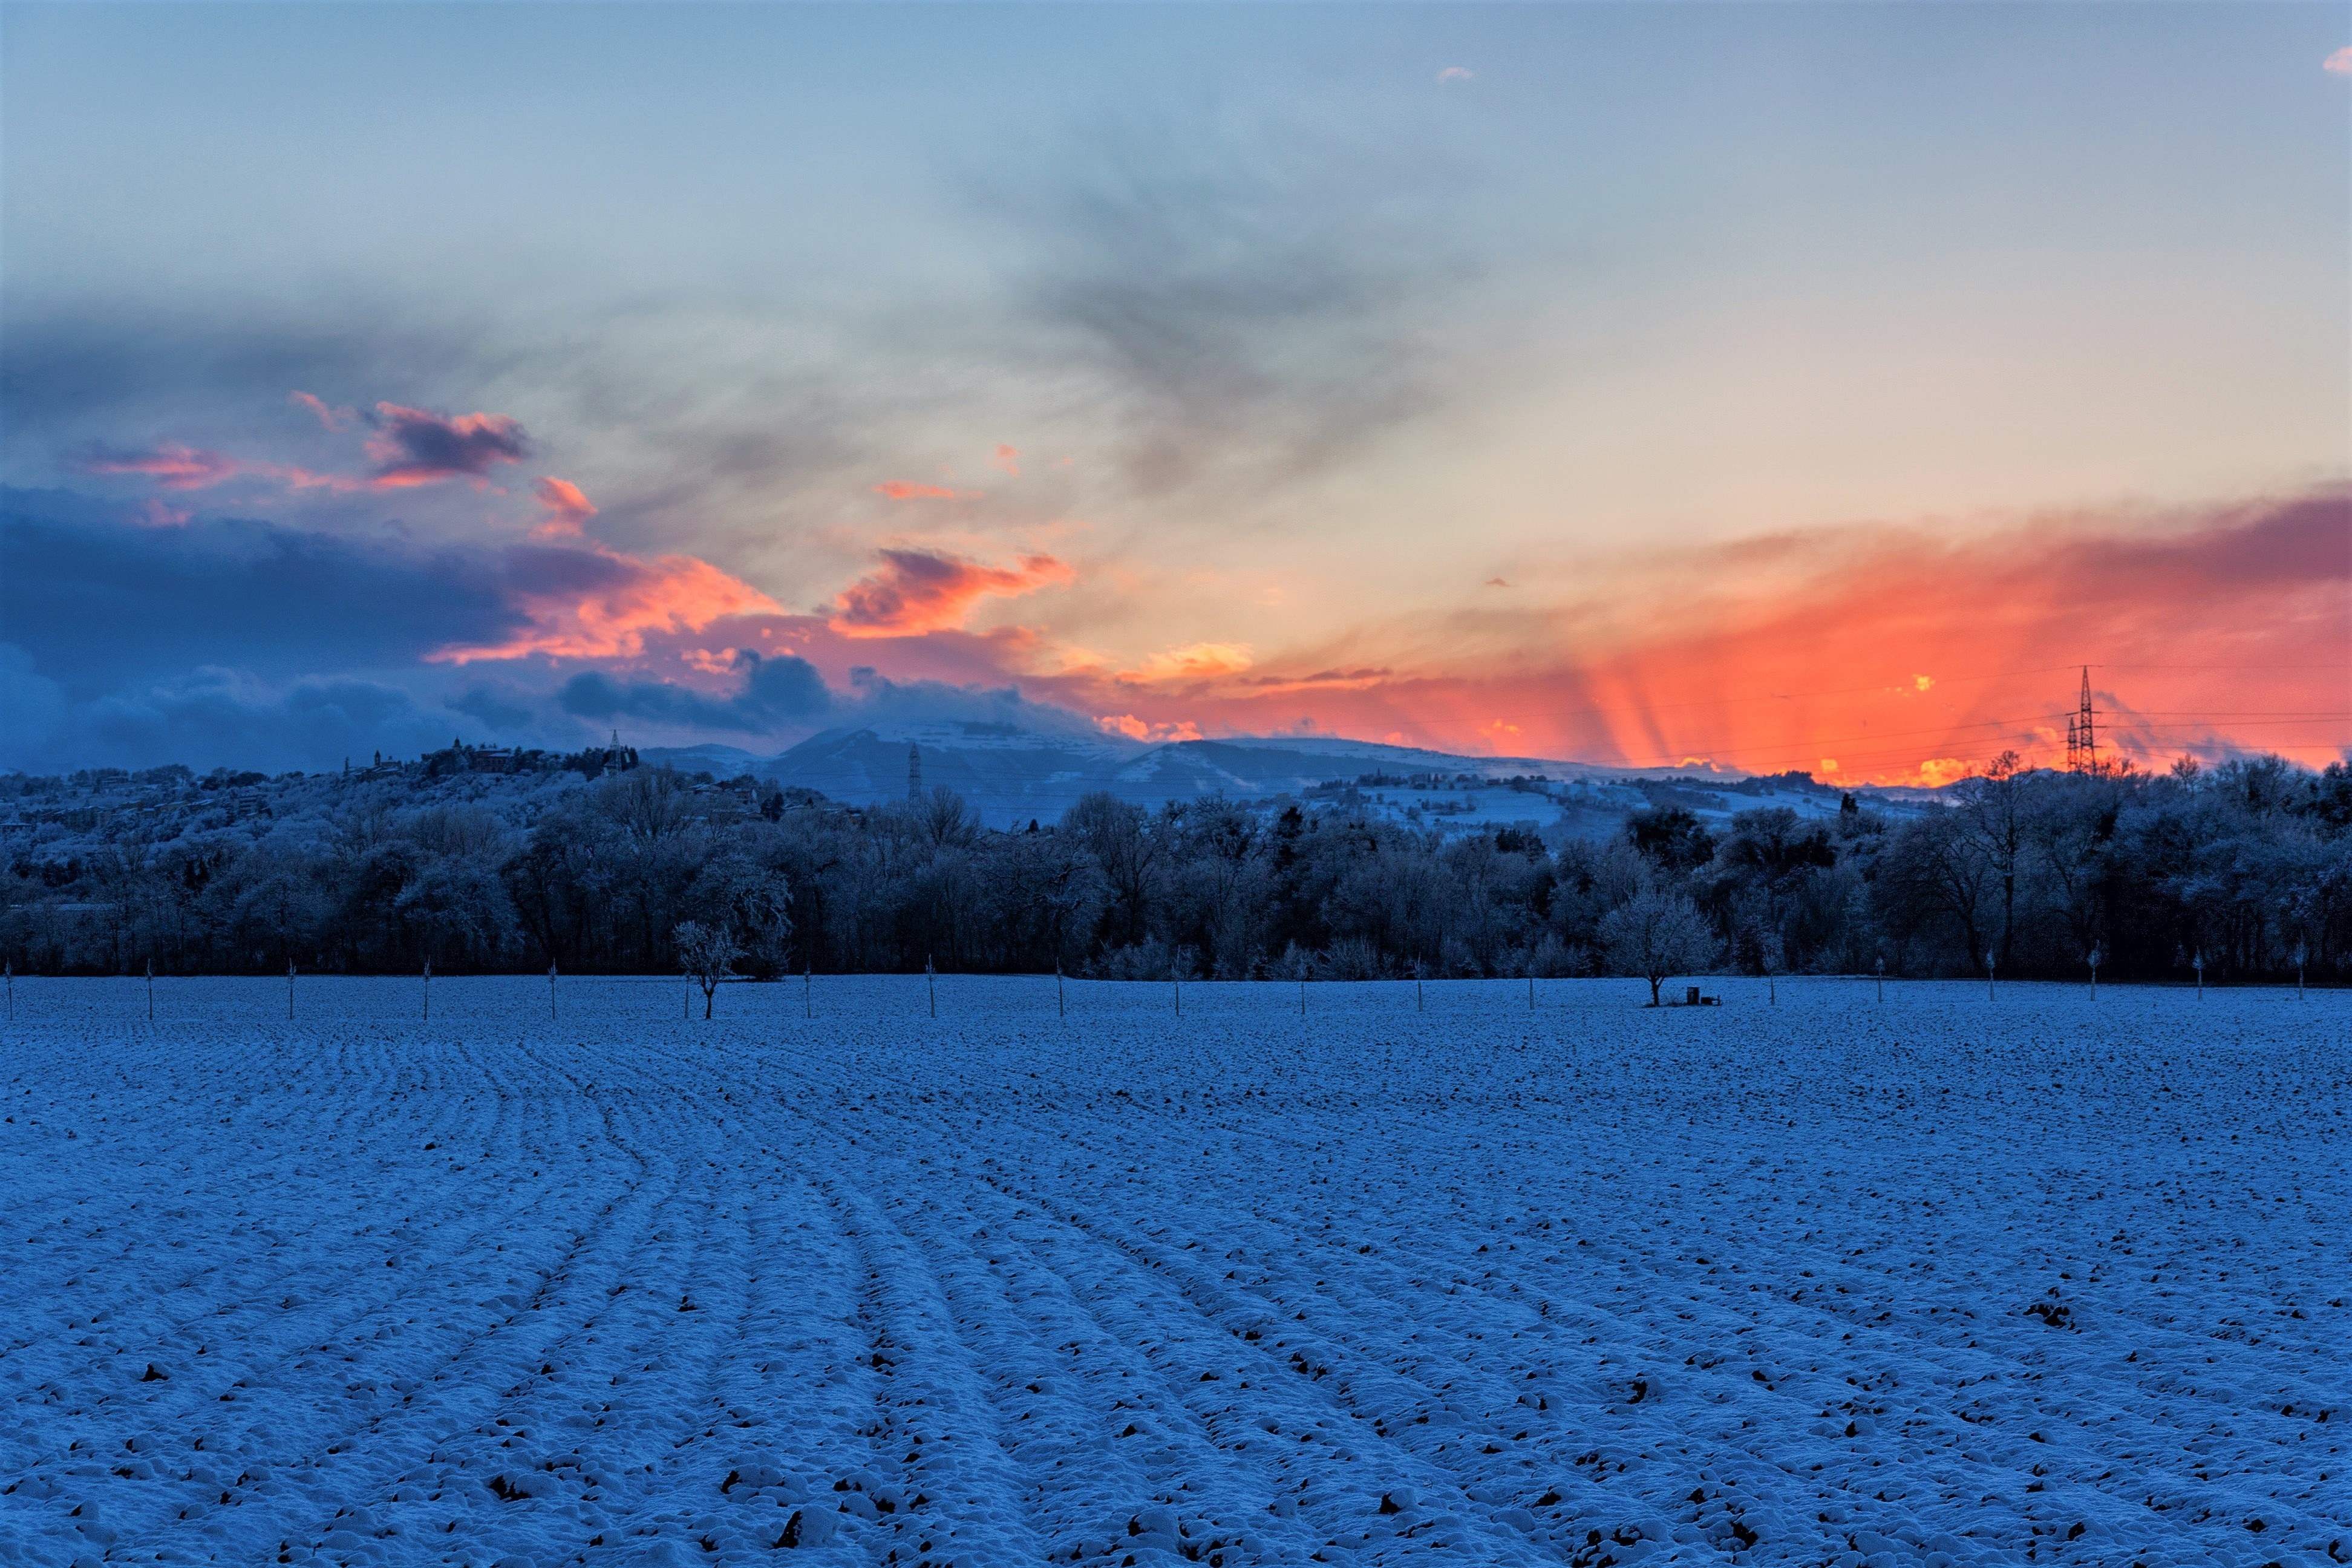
208	717
223	640
96	600
1261	297
507	711
777	694
416	445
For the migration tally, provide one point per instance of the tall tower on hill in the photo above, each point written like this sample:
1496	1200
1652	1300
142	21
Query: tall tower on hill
2083	734
914	770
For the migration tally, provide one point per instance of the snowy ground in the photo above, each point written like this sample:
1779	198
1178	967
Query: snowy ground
1943	1280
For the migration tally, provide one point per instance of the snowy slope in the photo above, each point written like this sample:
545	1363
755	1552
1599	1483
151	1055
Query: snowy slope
1011	773
1942	1280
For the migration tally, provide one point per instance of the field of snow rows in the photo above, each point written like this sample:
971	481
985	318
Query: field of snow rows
1945	1278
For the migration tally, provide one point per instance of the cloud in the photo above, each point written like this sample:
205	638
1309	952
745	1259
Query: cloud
417	447
1193	661
177	467
917	591
1764	676
1496	583
1135	728
591	602
154	513
333	418
172	465
132	645
566	509
907	489
100	600
875	698
1454	74
207	716
504	710
1251	301
776	693
1007	459
2339	63
37	711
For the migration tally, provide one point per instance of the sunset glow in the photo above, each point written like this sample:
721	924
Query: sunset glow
1536	383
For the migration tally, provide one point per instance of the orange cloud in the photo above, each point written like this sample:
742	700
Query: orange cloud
907	489
1135	728
916	591
1007	459
2211	630
1193	661
596	602
566	509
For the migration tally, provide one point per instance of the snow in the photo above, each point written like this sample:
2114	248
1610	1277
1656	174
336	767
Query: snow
1946	1280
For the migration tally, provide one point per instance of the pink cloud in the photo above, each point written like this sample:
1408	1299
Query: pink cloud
333	418
907	489
174	467
1007	459
595	602
917	592
418	446
171	464
565	506
2339	63
154	513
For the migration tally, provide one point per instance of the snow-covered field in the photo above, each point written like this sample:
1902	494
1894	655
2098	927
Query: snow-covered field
1945	1279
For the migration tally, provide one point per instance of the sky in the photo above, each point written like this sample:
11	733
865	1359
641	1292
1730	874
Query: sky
1763	385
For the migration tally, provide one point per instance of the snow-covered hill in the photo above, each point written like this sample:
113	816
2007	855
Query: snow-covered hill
1011	773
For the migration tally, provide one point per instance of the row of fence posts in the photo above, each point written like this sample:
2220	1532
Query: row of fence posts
1176	982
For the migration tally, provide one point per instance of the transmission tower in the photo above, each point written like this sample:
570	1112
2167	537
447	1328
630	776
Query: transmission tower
2083	734
914	770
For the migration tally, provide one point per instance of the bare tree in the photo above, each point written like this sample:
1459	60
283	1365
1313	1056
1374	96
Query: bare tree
1993	819
707	953
1655	935
1120	840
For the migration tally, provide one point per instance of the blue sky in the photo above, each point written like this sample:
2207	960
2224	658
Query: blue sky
1209	355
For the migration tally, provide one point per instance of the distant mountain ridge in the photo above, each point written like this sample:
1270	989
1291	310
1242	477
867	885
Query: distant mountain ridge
1009	773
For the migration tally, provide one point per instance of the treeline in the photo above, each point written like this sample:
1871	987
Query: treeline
2246	867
